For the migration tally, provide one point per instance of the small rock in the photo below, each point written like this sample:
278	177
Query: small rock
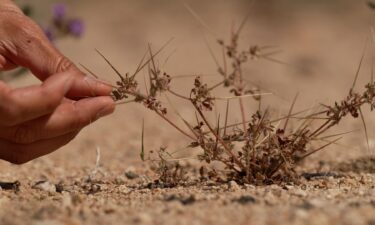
245	199
210	188
299	193
289	187
249	187
209	197
306	205
120	180
60	187
131	174
124	189
94	188
185	200
45	186
232	185
10	186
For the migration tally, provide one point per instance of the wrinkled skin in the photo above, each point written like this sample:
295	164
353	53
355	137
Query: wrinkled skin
37	120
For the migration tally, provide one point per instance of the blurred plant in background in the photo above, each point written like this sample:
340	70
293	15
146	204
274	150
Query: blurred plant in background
59	26
62	26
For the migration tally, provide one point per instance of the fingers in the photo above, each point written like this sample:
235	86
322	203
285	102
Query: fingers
24	104
8	5
68	117
85	86
22	153
6	64
24	43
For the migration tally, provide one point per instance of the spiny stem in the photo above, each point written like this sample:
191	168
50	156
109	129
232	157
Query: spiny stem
318	149
229	151
359	67
365	128
226	118
179	95
319	129
242	108
290	111
175	126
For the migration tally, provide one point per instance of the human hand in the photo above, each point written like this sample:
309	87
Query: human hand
37	120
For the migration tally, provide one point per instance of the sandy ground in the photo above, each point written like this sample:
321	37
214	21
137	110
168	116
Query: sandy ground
322	41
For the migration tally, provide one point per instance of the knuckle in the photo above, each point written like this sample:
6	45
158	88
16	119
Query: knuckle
63	64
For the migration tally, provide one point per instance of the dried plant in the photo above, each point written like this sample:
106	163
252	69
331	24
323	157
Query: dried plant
260	150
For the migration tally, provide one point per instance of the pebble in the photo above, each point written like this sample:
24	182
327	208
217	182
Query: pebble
289	187
245	199
233	186
131	174
211	188
299	193
184	200
249	187
124	189
45	186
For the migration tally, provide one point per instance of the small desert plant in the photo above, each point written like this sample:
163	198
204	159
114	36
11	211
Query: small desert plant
257	150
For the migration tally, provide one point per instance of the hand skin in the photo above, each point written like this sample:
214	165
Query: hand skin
37	120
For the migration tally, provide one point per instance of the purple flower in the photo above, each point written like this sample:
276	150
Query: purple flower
76	27
59	11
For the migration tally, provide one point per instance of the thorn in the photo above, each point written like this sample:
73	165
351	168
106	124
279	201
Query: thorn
365	128
290	111
110	64
142	154
359	66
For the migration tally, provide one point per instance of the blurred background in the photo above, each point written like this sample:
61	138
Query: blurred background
321	42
